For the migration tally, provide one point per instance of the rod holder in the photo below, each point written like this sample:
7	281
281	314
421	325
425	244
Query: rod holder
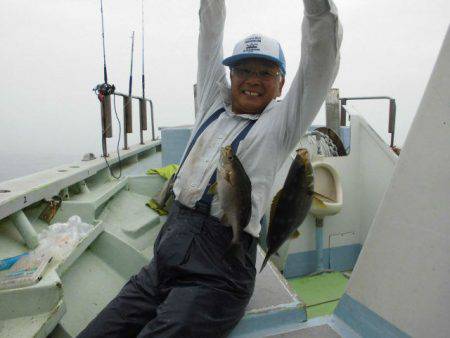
152	120
128	114
105	107
392	117
106	116
25	228
143	114
142	118
127	120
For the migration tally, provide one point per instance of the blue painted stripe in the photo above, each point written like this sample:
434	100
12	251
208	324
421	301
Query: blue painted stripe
342	258
364	321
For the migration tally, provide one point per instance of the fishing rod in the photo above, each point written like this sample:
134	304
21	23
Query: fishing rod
104	88
143	73
104	92
143	103
105	74
127	115
131	67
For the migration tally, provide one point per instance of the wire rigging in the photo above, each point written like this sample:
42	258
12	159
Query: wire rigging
118	144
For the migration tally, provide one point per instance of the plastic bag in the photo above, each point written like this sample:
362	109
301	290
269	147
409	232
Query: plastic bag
60	238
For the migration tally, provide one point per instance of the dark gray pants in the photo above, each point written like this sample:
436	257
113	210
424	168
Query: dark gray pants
188	289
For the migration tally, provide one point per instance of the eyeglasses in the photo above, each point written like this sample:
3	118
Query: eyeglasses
245	73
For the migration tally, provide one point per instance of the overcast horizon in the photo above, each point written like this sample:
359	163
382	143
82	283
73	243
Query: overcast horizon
52	58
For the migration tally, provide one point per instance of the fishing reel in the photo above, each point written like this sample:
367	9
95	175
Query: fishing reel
101	90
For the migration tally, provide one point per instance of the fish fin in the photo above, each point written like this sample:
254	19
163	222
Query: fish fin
295	234
320	196
319	202
213	189
274	205
235	250
264	263
228	177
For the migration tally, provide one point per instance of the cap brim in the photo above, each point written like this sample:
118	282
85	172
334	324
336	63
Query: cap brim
232	60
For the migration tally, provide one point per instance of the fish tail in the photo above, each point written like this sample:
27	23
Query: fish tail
264	263
235	250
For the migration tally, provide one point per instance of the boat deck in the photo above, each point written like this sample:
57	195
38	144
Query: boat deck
85	282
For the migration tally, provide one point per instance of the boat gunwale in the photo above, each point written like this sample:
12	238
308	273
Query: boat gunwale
27	190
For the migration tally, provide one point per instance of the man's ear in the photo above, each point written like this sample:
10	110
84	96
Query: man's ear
280	87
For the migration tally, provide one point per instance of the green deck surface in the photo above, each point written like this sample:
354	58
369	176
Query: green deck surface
320	293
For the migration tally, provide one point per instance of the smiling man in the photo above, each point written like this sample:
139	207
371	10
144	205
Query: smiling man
254	83
190	289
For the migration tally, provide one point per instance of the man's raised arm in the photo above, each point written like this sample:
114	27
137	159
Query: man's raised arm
211	72
321	39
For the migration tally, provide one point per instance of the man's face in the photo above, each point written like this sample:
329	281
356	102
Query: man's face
254	83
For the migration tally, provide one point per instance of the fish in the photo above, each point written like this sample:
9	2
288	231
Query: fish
291	204
234	190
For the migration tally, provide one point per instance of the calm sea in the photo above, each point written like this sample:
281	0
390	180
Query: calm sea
14	165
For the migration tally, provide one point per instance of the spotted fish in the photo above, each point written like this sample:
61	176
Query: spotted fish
291	204
234	191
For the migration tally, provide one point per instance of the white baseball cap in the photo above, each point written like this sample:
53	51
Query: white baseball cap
257	46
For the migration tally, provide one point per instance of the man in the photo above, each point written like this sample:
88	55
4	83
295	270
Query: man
189	289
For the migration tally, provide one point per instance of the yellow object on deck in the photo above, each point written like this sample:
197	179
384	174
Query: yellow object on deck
165	172
160	202
153	205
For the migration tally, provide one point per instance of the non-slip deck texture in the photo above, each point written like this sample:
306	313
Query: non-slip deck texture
322	331
320	293
269	290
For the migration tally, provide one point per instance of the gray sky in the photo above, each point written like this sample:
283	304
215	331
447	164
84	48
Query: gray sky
51	59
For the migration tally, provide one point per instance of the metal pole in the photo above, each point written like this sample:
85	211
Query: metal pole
392	112
343	112
319	244
142	111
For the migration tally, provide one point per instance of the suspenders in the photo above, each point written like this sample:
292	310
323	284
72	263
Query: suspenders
200	130
204	204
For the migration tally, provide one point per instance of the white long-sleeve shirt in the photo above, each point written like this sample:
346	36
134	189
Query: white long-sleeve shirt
278	128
